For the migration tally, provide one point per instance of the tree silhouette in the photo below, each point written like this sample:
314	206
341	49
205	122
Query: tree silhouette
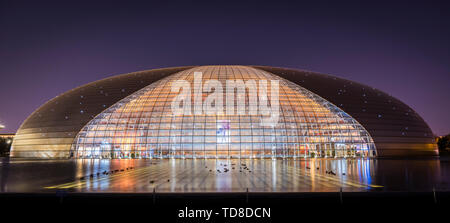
444	144
5	145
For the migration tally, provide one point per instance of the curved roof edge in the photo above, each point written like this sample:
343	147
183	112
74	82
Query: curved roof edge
396	129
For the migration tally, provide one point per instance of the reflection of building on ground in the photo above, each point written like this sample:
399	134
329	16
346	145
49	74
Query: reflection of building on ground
224	175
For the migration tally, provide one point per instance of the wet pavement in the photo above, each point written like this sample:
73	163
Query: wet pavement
232	175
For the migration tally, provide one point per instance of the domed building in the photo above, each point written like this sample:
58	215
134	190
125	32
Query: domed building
132	116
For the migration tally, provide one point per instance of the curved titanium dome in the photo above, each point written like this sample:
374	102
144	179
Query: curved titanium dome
129	116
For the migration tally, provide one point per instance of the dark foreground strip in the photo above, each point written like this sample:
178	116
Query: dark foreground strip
323	206
220	199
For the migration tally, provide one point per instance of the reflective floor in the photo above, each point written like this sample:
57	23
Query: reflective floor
234	175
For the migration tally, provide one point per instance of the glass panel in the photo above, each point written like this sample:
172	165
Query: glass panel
309	126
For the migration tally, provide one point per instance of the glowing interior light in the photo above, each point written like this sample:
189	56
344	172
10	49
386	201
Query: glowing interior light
142	125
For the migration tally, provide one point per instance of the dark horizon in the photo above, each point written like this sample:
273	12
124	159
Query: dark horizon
401	48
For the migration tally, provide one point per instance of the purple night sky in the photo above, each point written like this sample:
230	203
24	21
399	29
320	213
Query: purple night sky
401	48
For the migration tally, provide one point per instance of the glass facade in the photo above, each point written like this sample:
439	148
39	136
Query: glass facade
142	125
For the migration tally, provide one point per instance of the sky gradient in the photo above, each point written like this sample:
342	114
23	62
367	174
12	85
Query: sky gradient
47	48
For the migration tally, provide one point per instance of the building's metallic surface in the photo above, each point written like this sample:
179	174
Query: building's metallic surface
395	127
50	130
113	114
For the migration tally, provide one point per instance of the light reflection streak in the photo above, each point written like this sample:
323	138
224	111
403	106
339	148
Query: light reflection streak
177	175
